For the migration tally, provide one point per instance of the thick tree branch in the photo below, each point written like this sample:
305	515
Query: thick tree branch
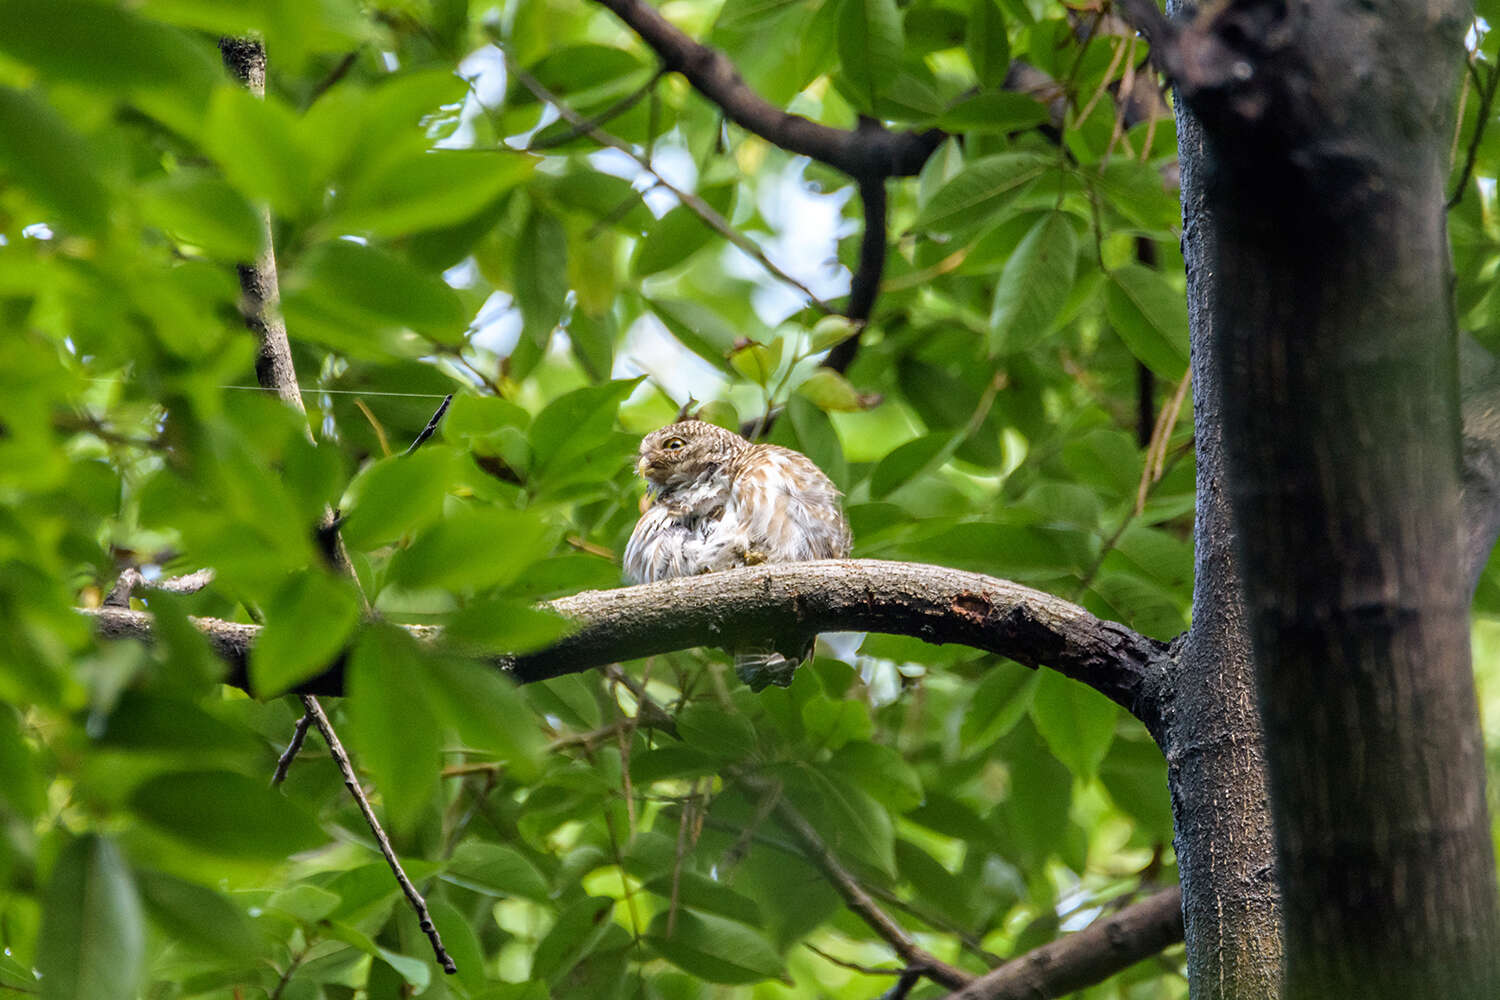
792	602
1092	955
859	152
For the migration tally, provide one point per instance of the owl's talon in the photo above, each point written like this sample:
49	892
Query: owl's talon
754	558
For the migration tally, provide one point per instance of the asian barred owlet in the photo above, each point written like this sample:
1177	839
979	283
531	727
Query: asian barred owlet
716	502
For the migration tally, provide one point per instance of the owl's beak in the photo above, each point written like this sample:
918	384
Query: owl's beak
641	465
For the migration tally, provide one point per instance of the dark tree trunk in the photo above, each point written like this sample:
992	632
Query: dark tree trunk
1323	326
1213	744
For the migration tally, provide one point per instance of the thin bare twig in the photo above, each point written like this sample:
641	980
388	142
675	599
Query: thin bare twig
603	118
694	204
351	781
284	762
1486	101
432	425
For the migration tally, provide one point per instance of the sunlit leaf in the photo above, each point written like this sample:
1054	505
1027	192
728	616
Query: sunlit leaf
1034	285
870	40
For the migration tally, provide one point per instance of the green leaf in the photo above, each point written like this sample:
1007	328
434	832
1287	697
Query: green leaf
1136	777
487	710
706	895
500	625
725	735
418	189
355	288
982	192
833	802
577	931
22	789
714	948
1034	285
908	461
200	209
1077	723
413	971
830	391
114	52
306	903
699	328
757	362
830	331
576	424
93	939
881	773
226	815
307	624
260	148
1000	113
51	161
475	547
391	726
987	43
679	234
541	274
870	43
497	869
1151	317
999	702
830	724
397	494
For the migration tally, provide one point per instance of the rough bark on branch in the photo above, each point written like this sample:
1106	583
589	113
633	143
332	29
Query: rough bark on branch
861	153
789	602
1100	950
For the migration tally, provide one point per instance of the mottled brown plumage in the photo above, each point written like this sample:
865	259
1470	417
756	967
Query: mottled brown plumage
716	501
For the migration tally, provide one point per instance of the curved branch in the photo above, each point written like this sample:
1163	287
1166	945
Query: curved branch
859	153
791	603
865	285
1092	955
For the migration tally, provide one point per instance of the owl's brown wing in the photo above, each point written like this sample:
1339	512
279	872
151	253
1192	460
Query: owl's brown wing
785	509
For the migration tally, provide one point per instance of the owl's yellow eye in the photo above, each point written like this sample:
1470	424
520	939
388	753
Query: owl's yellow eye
672	444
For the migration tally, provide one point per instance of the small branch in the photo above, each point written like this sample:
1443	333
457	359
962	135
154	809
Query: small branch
866	282
792	602
695	204
432	425
1486	101
299	736
1103	948
864	970
603	118
859	902
351	780
132	580
857	152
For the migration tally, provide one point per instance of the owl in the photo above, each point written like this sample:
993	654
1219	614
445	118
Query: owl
715	501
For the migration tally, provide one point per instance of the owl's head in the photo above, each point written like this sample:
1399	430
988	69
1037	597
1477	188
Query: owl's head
683	452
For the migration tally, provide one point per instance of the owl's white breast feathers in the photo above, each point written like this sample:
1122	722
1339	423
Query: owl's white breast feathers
769	504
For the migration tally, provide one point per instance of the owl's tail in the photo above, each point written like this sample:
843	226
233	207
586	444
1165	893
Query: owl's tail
761	668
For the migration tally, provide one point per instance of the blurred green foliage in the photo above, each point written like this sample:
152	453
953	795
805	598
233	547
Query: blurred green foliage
439	230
